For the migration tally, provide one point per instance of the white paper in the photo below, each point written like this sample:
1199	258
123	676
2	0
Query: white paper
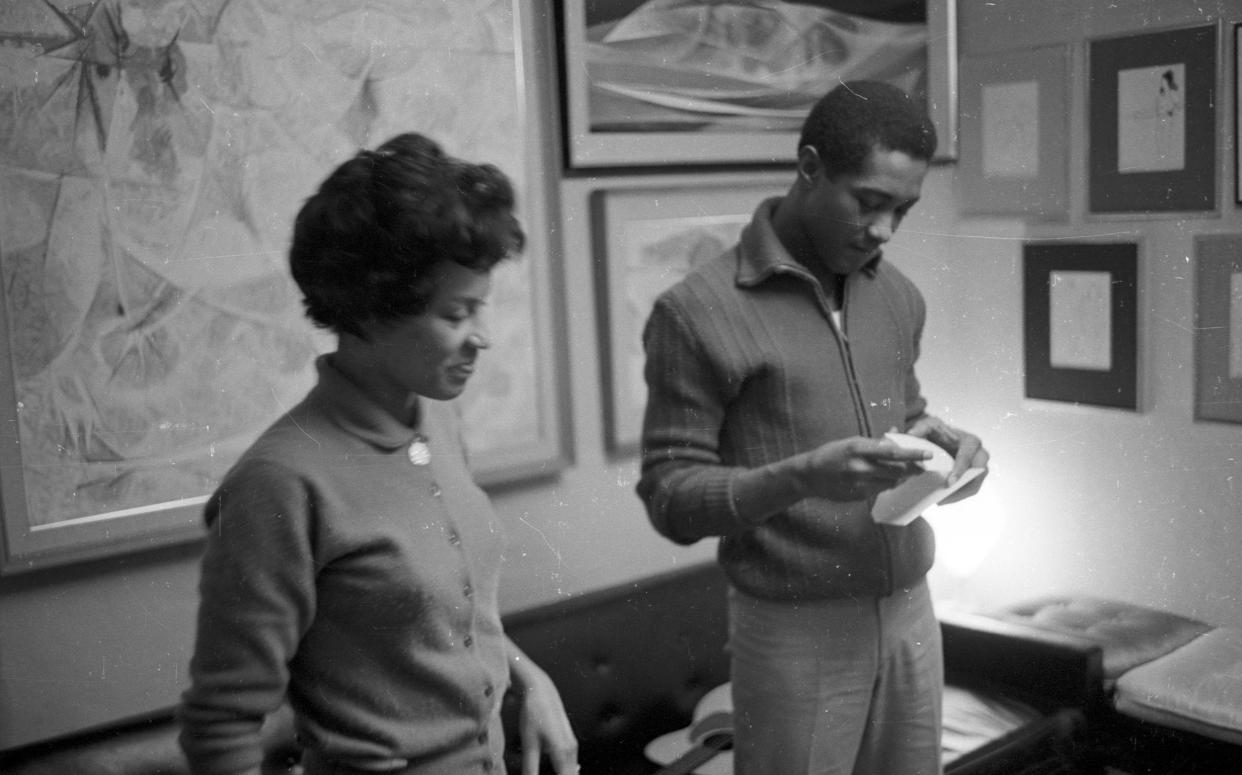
1011	130
1080	316
907	501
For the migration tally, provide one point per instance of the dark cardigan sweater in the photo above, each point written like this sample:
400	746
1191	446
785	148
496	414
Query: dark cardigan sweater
745	367
361	585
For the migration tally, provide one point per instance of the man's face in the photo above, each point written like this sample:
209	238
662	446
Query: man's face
848	218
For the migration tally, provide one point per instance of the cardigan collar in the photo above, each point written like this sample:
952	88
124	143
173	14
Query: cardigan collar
355	413
761	254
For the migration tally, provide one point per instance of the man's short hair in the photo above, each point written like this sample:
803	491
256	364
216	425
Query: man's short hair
857	116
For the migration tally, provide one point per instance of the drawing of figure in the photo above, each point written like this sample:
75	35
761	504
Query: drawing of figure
1168	115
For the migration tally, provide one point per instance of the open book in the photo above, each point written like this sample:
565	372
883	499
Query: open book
905	502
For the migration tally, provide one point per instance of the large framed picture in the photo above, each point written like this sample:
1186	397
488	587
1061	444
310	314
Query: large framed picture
1080	318
1152	116
1014	123
1218	327
149	329
692	82
648	233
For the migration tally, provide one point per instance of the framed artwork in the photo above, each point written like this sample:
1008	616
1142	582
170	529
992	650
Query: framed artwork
1237	113
1014	121
1152	116
1218	327
648	234
691	82
149	329
1080	322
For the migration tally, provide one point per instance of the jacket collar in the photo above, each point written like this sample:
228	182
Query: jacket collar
761	254
354	412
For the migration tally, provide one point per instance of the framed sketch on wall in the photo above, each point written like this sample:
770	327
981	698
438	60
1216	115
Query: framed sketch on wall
1014	121
1080	322
148	323
657	82
1152	113
648	234
1237	113
1218	327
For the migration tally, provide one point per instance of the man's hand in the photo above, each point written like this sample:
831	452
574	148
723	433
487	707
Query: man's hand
966	448
856	468
542	723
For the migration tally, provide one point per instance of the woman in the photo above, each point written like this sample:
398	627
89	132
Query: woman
351	564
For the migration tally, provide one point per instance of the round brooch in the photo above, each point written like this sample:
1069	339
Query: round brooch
419	452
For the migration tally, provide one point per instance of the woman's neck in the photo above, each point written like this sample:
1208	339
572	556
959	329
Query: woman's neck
354	360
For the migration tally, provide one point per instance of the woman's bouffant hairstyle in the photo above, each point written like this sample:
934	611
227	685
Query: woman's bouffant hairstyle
365	244
847	123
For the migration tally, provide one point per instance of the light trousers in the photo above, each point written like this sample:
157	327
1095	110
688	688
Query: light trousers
839	687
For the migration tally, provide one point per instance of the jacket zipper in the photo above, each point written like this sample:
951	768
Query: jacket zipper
864	422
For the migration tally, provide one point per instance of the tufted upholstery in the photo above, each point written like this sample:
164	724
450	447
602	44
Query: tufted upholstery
1197	688
631	662
142	747
1129	634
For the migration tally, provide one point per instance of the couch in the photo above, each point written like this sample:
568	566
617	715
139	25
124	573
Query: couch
633	660
1172	685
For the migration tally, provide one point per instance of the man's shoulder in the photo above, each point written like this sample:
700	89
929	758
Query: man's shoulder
889	274
715	275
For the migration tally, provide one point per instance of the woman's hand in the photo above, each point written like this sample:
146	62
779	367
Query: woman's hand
542	723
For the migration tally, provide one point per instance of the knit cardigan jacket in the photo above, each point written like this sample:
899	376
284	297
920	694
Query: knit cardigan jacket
359	585
745	367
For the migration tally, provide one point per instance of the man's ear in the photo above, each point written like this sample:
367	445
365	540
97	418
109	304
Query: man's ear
810	167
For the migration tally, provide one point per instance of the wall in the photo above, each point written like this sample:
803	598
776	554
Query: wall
1140	506
1135	505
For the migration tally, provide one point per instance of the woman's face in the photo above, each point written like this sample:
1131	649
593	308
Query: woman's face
433	353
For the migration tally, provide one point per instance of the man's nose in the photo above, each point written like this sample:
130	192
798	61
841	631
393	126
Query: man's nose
881	227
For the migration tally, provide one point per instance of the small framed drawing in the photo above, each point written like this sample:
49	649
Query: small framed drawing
1013	129
1080	315
1237	113
1152	115
697	83
1218	327
648	234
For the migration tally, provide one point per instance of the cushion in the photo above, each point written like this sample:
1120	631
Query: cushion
1197	688
1129	634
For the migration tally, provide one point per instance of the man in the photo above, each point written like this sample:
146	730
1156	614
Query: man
773	372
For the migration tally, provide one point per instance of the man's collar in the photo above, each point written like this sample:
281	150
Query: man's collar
354	412
762	255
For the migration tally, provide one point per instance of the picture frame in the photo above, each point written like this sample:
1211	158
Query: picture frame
648	233
148	338
626	106
1152	122
1014	121
1080	322
1218	328
1237	113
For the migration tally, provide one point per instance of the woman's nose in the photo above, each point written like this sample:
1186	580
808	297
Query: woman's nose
478	340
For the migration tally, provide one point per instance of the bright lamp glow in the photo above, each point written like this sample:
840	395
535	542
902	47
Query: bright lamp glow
966	531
